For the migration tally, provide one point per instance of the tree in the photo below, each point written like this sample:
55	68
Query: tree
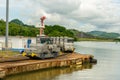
18	28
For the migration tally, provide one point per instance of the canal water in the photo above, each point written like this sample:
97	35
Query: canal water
107	68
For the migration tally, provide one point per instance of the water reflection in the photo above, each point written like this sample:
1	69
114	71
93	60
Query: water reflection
48	74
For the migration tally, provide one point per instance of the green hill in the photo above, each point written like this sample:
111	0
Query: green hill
80	34
18	28
104	34
17	21
57	30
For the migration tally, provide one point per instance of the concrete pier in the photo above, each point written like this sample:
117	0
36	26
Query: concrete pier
2	73
9	68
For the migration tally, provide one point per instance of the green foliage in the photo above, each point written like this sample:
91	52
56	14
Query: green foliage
2	27
18	28
80	34
57	30
17	21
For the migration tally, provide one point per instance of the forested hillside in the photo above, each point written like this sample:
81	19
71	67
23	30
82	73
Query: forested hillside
18	28
57	30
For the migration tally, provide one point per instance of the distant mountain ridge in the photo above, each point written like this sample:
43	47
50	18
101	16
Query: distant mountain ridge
80	34
95	34
103	34
19	22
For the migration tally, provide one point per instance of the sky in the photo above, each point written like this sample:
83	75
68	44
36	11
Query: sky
83	15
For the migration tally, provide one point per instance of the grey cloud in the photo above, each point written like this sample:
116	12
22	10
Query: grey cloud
59	6
96	13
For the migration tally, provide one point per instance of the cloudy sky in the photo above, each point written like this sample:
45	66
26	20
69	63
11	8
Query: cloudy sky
83	15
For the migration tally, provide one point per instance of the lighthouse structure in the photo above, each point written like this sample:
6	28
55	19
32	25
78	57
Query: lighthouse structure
42	27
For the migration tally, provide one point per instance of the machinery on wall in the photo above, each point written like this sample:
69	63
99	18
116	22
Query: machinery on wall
47	47
65	43
42	27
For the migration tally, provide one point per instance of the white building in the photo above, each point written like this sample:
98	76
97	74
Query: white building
16	42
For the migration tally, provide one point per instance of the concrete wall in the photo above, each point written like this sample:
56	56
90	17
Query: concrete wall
36	66
16	41
2	73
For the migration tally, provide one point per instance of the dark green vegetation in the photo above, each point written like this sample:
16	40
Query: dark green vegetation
17	21
117	39
57	30
18	28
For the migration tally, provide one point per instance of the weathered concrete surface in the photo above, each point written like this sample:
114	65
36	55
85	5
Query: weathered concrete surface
9	68
2	73
13	58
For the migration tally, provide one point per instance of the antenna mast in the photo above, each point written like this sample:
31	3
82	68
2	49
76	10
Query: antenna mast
42	25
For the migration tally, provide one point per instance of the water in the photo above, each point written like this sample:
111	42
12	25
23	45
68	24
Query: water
107	68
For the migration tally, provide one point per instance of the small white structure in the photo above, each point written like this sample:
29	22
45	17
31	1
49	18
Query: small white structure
16	42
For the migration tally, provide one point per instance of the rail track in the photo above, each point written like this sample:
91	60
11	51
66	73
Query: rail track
13	59
24	60
20	58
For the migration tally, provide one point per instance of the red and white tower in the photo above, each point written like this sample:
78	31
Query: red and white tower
42	25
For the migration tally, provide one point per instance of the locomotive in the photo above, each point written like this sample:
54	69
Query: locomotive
48	47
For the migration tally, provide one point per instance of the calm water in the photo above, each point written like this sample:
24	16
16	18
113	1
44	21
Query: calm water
107	68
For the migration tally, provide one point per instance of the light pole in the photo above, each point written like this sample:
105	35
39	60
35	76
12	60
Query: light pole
7	24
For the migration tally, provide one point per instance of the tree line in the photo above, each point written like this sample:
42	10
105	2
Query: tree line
18	28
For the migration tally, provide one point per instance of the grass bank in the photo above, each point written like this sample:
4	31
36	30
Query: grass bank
95	39
8	53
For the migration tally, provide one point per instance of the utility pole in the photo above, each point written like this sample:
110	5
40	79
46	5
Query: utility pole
7	24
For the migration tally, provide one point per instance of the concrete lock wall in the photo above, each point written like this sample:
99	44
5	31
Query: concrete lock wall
36	66
2	73
31	65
